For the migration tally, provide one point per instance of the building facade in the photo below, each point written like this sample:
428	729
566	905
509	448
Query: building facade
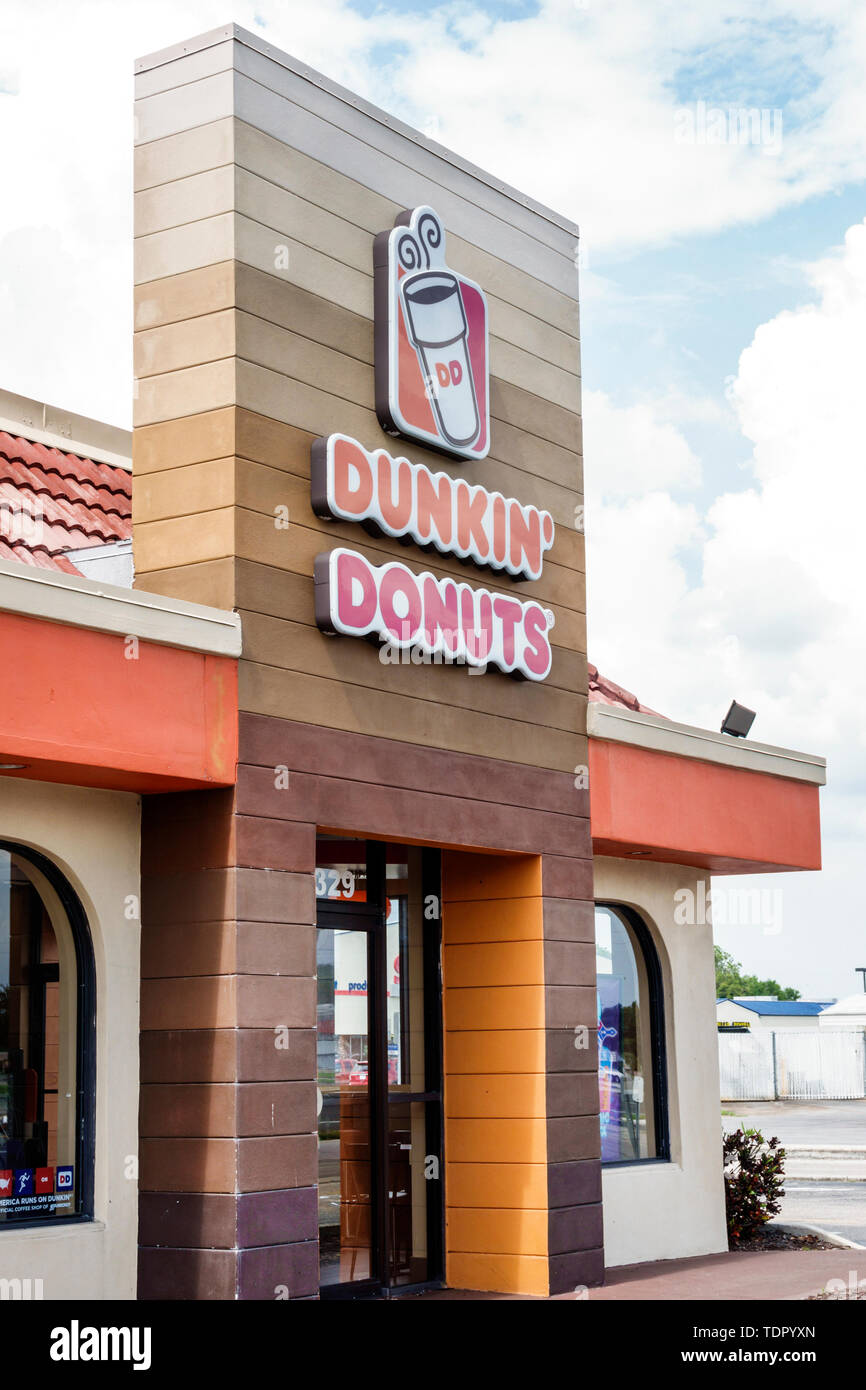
396	908
771	1013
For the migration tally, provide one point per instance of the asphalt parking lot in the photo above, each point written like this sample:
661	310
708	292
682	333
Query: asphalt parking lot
802	1122
839	1207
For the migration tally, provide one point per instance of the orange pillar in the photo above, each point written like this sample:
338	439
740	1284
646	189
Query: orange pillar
495	1073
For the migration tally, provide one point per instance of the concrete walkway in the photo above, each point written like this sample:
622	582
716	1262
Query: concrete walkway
767	1275
735	1276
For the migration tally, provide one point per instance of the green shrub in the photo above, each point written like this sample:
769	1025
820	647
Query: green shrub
754	1178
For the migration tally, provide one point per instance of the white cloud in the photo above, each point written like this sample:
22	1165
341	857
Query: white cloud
777	616
580	107
67	143
576	104
633	449
779	604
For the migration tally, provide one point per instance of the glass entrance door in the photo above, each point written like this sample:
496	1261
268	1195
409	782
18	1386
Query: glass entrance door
414	1076
379	1068
345	1133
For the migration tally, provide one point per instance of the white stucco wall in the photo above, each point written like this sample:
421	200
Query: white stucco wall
93	837
729	1012
786	1023
847	1013
658	1211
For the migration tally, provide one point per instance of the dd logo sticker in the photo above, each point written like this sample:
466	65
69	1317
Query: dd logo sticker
431	341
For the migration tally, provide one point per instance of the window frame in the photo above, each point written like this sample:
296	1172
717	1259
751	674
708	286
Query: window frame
85	1044
658	1044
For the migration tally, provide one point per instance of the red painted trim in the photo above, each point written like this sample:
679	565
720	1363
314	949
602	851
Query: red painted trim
76	708
726	819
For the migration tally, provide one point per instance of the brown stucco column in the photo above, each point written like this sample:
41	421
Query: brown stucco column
573	1144
228	1149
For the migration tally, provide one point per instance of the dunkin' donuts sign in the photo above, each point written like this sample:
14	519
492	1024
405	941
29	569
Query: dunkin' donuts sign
404	499
431	386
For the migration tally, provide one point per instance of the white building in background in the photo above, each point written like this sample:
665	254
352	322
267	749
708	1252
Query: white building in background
849	1012
757	1013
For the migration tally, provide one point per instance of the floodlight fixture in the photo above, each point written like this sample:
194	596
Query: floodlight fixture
738	720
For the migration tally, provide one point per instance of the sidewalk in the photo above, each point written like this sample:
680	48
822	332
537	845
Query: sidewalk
733	1276
826	1163
825	1169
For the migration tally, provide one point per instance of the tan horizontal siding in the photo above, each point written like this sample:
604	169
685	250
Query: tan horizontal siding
266	246
206	581
401	168
217	433
344	196
202	487
241	364
251	535
256	588
230	380
296	646
163	166
158	163
341	705
202	194
174	331
205	290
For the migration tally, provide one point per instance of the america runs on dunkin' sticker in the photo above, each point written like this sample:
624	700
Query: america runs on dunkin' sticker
431	341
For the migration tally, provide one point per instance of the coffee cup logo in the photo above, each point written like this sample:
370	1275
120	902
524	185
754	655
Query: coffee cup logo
431	341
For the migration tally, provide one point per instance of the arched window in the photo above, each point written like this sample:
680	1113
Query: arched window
46	1044
631	1047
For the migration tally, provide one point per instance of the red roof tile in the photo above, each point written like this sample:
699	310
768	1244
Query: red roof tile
51	502
606	692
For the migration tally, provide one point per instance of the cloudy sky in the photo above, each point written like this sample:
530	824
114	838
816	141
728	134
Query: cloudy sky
723	315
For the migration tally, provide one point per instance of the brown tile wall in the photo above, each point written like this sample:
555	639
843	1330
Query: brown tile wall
228	1120
575	1241
227	1116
